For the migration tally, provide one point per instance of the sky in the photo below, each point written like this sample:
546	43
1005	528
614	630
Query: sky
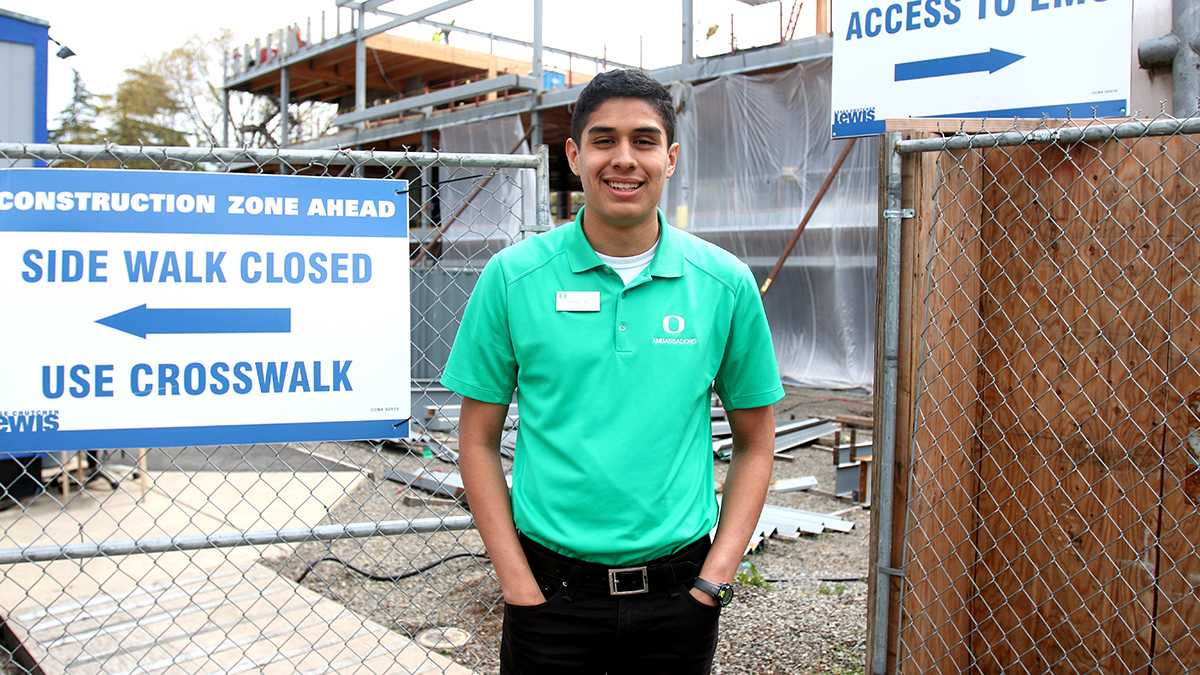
112	35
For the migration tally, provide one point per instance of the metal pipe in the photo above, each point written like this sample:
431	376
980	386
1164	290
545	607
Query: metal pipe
285	102
225	117
1157	52
360	70
426	178
1091	133
544	220
887	425
360	77
535	115
689	55
232	539
1185	68
53	151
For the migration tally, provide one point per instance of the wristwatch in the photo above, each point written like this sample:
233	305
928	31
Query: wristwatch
722	593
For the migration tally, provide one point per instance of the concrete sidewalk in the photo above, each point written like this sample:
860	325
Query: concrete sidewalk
201	611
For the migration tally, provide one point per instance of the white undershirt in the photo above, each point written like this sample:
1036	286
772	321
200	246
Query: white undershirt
629	267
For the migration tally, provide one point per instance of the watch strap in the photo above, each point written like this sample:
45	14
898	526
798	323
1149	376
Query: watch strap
715	590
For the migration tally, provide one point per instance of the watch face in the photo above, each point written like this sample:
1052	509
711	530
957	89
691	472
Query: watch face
725	594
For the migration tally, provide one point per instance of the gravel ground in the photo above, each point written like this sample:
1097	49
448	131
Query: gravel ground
799	622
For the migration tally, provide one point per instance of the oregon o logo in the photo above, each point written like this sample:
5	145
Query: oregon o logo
673	324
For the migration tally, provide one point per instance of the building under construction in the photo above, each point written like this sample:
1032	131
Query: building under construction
753	125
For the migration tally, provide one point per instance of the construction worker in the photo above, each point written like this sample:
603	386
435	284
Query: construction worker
615	329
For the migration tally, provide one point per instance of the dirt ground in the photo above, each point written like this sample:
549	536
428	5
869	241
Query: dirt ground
807	615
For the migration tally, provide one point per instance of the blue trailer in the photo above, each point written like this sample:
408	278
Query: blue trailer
23	55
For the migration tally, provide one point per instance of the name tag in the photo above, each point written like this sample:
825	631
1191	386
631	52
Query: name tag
577	301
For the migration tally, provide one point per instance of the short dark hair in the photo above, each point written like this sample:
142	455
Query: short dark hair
630	83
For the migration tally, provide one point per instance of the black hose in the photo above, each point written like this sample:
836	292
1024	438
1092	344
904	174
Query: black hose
379	577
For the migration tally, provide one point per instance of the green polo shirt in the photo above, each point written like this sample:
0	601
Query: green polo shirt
614	457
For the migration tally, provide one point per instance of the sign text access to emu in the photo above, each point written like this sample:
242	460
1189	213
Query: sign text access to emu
978	58
148	309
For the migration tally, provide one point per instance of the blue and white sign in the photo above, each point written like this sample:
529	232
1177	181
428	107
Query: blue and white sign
978	58
149	309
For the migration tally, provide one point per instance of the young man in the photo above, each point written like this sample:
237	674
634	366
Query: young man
615	328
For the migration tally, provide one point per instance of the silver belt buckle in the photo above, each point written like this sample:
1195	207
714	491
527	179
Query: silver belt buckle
629	574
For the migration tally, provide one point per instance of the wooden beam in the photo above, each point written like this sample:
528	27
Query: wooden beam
823	25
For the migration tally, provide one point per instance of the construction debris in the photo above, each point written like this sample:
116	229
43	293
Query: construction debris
794	484
421	442
849	453
445	417
443	638
508	443
438	483
786	523
411	499
787	437
802	432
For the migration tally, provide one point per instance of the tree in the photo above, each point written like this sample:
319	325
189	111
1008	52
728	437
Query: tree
144	111
193	73
77	121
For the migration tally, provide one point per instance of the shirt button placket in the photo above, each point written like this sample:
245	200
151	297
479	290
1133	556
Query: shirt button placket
622	328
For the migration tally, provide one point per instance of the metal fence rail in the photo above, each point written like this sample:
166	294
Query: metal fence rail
206	559
1050	471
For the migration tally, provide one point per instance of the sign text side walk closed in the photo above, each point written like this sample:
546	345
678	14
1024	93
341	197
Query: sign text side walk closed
147	309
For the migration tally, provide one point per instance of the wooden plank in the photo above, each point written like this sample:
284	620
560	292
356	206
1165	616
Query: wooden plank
482	62
822	23
1177	617
1072	389
856	421
945	304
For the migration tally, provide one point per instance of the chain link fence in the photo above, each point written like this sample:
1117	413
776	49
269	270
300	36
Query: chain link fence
354	556
1049	490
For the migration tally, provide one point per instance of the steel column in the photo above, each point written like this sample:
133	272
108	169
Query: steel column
887	425
360	76
535	139
285	102
689	55
544	221
1185	69
1179	50
225	117
426	181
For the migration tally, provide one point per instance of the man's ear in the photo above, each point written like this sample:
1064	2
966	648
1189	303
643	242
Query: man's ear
672	159
572	155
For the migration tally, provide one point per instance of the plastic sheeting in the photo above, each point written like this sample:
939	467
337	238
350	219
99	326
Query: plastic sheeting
755	149
507	200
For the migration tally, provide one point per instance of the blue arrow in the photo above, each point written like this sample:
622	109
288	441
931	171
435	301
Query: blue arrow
989	62
142	321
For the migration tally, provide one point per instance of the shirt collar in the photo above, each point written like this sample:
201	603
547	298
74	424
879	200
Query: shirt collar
668	260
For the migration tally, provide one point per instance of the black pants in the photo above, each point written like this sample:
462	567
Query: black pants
583	629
